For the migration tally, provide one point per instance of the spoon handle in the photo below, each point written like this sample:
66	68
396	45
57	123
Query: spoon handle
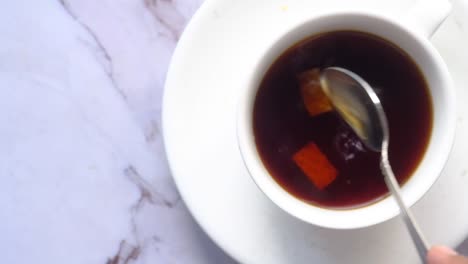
419	241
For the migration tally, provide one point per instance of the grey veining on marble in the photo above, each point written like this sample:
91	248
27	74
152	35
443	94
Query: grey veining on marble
85	176
135	57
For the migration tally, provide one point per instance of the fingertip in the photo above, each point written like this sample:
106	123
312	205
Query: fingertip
440	254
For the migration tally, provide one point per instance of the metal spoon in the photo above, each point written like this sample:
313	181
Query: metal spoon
358	104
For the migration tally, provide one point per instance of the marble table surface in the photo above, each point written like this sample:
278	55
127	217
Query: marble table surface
84	175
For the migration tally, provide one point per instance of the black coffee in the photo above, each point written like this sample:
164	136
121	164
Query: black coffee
283	126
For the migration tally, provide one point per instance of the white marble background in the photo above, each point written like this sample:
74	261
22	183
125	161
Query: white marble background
84	176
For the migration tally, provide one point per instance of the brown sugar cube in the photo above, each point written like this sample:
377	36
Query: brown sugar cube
315	100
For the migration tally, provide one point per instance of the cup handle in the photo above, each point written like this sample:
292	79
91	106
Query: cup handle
460	11
426	16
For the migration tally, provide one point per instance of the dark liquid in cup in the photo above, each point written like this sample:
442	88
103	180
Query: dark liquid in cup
282	126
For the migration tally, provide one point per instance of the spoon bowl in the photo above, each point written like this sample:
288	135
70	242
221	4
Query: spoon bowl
357	103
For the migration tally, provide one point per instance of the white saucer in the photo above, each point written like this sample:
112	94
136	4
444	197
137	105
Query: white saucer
199	111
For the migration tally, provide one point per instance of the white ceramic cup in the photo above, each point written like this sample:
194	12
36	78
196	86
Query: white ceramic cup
411	35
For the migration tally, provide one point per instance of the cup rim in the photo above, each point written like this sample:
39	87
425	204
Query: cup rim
322	216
